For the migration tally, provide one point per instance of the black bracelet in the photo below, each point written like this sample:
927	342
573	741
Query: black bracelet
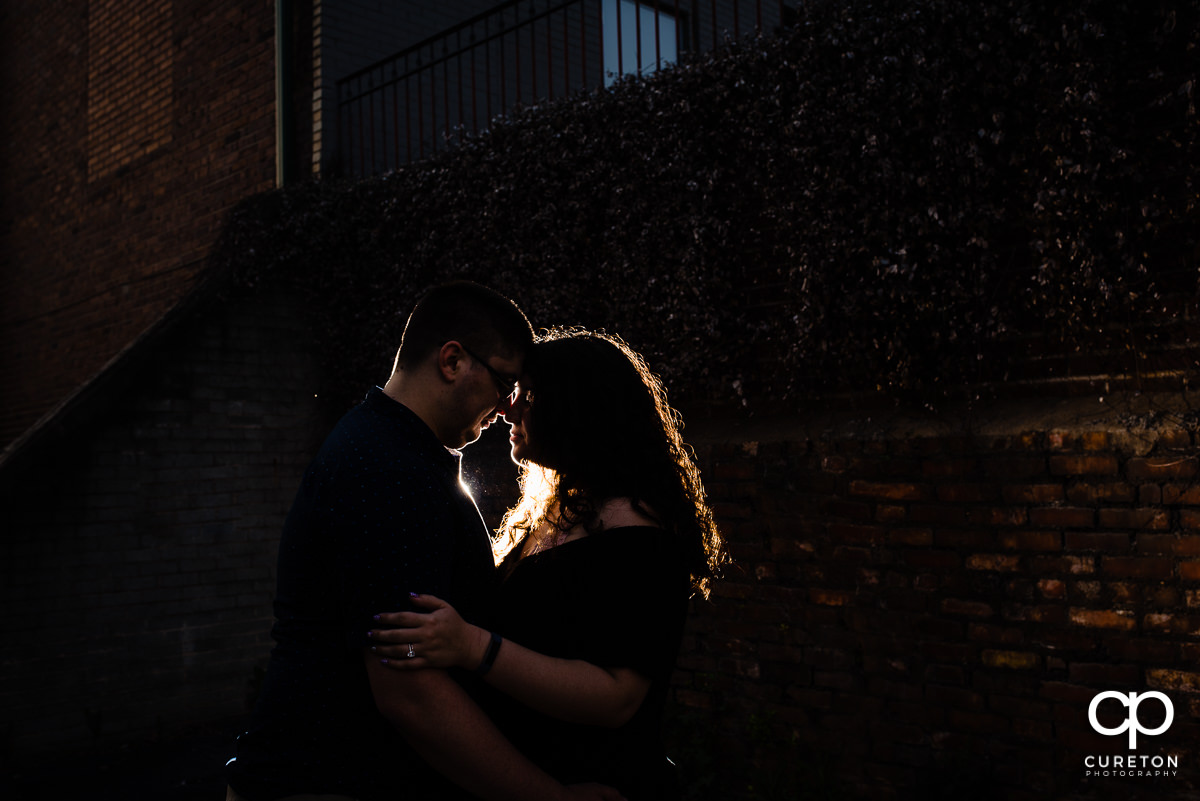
489	656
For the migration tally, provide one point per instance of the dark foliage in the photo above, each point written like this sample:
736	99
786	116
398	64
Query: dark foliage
878	199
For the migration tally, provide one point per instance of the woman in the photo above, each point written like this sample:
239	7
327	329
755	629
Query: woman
611	536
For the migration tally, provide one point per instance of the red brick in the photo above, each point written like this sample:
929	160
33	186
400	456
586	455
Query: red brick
1033	493
997	562
1153	519
938	515
967	493
1073	565
991	633
860	534
1144	567
955	606
890	491
1189	571
937	560
1149	495
1181	494
1093	494
1181	680
1160	468
1007	516
1052	588
948	468
1143	650
1062	517
1106	541
916	537
1169	544
1103	619
1092	464
1013	660
1096	674
831	597
1006	468
1167	623
733	471
1031	540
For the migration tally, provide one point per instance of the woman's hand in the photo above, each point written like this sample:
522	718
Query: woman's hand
438	638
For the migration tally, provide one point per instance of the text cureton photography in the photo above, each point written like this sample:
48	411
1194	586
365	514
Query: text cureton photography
1130	765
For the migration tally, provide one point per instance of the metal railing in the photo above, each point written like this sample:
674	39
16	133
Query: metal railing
429	96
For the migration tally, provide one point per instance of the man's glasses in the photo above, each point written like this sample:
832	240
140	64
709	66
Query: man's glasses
507	387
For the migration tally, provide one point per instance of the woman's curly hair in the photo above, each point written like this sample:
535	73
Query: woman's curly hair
605	430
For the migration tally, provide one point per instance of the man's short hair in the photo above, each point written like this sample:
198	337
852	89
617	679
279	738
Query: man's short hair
480	318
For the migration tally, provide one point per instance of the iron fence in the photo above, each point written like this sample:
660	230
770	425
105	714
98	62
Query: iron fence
428	96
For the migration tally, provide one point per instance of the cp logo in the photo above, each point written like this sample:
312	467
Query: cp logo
1131	723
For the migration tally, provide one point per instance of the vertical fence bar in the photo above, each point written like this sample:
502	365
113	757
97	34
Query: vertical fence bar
657	39
583	43
474	86
549	59
566	16
532	53
517	55
361	143
637	32
758	16
459	75
395	116
620	43
679	27
503	69
407	111
371	118
420	114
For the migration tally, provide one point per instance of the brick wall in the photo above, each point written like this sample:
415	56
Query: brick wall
918	614
128	134
913	612
138	555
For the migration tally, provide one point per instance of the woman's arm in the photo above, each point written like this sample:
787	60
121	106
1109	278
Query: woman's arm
567	689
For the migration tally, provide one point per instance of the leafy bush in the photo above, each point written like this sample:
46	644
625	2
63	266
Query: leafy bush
886	196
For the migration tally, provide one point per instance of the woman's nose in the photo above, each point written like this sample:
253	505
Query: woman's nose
511	412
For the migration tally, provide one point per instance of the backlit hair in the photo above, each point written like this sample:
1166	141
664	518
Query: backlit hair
604	430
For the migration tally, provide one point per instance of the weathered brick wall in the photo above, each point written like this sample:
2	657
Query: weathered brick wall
128	132
138	556
916	613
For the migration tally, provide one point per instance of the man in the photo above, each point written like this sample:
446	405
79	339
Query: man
381	514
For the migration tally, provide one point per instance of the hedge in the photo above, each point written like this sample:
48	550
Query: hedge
890	196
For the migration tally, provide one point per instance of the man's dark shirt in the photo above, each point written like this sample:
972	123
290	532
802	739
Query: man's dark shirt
380	513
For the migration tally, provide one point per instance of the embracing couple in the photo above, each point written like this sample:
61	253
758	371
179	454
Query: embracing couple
417	657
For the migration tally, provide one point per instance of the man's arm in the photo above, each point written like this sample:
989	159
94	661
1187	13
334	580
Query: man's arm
451	733
568	689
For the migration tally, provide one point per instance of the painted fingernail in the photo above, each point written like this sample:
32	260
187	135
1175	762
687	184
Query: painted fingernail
377	617
414	595
383	661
